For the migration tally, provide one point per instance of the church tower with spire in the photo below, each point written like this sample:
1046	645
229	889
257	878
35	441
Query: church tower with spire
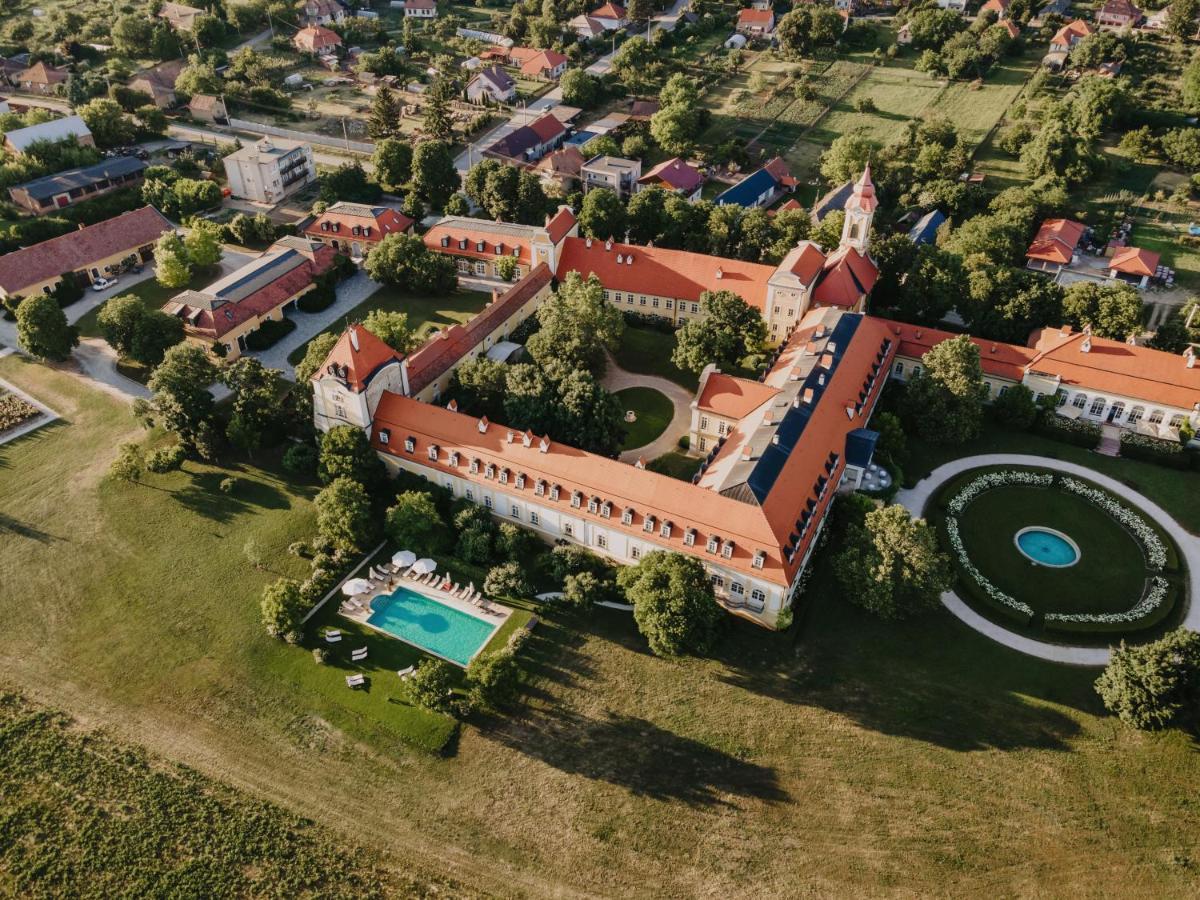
860	210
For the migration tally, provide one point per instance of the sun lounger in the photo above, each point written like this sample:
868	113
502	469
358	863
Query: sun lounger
353	681
358	655
404	673
333	636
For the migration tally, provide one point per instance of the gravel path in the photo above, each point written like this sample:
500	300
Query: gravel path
617	379
917	498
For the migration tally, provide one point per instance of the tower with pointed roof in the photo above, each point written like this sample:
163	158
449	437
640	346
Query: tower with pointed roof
860	211
355	374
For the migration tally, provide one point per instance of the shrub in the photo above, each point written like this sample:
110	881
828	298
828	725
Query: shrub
430	685
1154	450
1153	685
585	589
318	299
571	559
165	459
507	580
227	485
129	463
268	333
1069	431
1015	408
300	460
14	411
298	548
475	546
515	543
282	608
494	679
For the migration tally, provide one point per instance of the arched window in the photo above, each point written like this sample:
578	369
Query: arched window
1060	397
1098	406
854	232
1080	401
1156	417
1135	415
1118	410
1176	420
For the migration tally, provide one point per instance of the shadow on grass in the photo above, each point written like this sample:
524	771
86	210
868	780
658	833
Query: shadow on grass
635	754
205	497
9	525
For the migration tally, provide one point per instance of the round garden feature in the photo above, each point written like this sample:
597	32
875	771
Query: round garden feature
651	411
1056	555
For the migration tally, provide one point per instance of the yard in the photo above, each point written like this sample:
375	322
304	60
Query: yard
872	757
653	410
152	294
647	351
425	313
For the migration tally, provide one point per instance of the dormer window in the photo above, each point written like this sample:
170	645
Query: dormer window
504	476
384	435
759	559
544	445
554	492
499	249
475	467
727	550
410	444
648	524
576	499
454	458
516	252
689	537
490	471
462	243
520	481
432	452
527	439
445	241
713	541
479	246
606	509
627	517
539	488
665	530
593	505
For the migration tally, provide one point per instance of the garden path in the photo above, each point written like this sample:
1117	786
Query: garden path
617	379
915	499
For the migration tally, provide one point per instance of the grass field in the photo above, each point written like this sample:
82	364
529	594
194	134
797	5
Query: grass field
647	351
152	294
898	94
425	314
654	412
676	464
845	757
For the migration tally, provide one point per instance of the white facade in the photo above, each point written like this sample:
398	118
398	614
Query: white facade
269	170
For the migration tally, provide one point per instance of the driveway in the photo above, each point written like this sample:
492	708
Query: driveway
617	379
663	21
351	292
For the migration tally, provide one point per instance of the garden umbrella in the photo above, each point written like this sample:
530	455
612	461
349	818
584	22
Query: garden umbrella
356	586
404	559
424	566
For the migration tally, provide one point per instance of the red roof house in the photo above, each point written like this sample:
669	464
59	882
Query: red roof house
674	175
1054	244
756	21
316	39
356	227
546	64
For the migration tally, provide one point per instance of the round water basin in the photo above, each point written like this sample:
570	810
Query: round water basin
1047	547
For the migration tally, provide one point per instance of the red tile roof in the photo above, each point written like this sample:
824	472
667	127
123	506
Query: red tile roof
733	397
437	355
358	355
847	276
792	203
566	161
560	224
1072	33
545	61
316	37
464	236
1121	9
1056	241
676	174
761	17
522	55
997	6
863	197
805	261
547	128
76	250
664	273
381	220
40	73
1134	261
609	11
997	358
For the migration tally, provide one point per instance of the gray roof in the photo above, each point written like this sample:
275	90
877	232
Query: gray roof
832	201
50	185
56	130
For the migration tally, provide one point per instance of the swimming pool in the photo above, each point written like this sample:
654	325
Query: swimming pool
1047	547
431	626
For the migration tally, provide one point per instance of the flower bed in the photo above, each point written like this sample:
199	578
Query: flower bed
1010	606
1149	605
14	411
977	486
1156	550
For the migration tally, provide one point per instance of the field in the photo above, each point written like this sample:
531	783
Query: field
425	314
873	758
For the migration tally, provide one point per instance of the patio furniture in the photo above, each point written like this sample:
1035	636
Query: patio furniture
357	586
354	681
358	655
403	559
333	636
405	673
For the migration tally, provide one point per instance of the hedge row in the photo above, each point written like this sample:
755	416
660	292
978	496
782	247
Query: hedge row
1070	431
1152	618
1154	450
268	333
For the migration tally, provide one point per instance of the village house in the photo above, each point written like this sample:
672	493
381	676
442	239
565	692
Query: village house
760	189
1133	265
756	22
324	12
208	108
54	192
269	170
545	65
1055	245
159	83
561	169
1069	35
586	27
420	9
317	39
611	16
612	172
40	79
68	128
1118	14
229	309
491	84
91	252
999	7
675	175
355	228
179	16
531	142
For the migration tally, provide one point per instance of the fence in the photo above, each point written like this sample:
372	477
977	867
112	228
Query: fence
302	136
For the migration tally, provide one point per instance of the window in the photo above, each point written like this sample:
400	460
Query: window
635	552
759	558
576	499
721	426
1003	390
704	423
717	581
703	441
474	467
568	529
665	531
602	541
606	509
670	304
470	495
487	502
504	476
727	550
593	505
516	511
554	491
540	488
758	596
1060	397
432	452
1135	414
628	298
695	307
480	268
1118	410
899	370
689	537
339	411
521	482
627	517
712	544
737	588
1098	406
490	471
409	445
654	303
1080	401
534	519
1156	417
1176	420
643	302
648	523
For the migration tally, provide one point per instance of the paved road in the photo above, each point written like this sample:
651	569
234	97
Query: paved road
326	156
663	21
916	499
617	379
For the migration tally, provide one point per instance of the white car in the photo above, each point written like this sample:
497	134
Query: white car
103	284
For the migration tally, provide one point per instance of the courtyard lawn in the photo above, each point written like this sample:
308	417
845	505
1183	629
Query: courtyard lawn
647	351
676	465
653	410
874	757
425	313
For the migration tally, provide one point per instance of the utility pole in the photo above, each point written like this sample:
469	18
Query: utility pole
345	136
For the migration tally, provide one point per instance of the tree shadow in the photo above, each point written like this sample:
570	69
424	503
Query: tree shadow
204	496
639	756
9	525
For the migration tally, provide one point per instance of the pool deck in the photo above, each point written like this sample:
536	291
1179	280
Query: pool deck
498	616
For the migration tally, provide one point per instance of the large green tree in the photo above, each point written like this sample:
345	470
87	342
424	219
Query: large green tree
393	163
1154	685
347	453
414	523
890	563
673	602
1113	310
391	328
171	265
43	330
437	122
403	261
254	403
602	215
383	119
180	400
944	402
729	330
434	177
846	157
577	326
317	351
282	609
344	516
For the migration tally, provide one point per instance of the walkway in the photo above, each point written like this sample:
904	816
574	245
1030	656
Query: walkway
617	379
917	498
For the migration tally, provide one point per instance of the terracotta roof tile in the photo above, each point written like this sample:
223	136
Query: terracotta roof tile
382	221
358	355
733	397
1056	241
1134	261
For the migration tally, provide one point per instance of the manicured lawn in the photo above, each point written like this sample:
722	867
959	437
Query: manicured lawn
647	351
152	294
676	464
653	410
873	757
425	314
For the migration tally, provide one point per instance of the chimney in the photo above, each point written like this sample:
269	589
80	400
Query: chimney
354	338
620	259
720	274
452	406
1086	346
588	243
509	437
640	464
608	245
495	294
993	348
629	259
544	445
1189	358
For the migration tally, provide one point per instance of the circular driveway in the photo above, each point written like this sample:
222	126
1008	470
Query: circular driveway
917	498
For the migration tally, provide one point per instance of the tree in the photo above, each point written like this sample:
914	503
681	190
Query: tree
430	685
1172	336
890	563
414	523
602	215
931	28
1096	104
640	10
107	122
673	602
156	333
391	328
283	609
601	145
632	60
945	400
403	260
393	163
1190	83
479	384
585	589
129	464
675	127
180	401
254	407
808	27
315	354
846	157
198	77
515	544
1181	19
577	326
344	517
383	119
507	580
495	679
1015	407
436	122
118	319
588	416
1182	147
43	330
1155	684
348	182
933	285
171	266
579	88
203	244
346	453
434	177
1113	310
729	330
131	34
506	268
828	232
892	445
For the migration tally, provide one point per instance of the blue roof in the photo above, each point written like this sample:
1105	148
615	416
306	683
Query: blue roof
925	231
747	191
860	447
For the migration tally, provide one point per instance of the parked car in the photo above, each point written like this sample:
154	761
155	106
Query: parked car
103	284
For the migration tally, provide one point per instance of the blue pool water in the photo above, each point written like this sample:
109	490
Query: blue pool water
1047	548
430	625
